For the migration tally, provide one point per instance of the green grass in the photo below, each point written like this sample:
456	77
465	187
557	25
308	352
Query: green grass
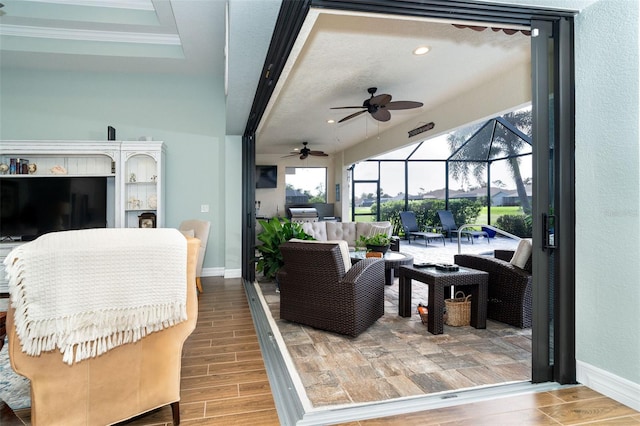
496	212
365	210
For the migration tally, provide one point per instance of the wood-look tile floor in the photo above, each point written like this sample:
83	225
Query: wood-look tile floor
397	357
224	382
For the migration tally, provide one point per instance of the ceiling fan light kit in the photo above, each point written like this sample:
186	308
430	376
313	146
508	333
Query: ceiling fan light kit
379	106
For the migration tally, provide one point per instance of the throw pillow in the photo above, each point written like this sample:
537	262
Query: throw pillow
377	229
522	253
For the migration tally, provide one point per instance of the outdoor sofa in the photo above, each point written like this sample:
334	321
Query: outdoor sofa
346	231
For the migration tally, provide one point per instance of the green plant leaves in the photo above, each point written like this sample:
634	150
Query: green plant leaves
275	232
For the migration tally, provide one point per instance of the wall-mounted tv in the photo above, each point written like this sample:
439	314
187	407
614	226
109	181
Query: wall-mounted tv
266	176
32	206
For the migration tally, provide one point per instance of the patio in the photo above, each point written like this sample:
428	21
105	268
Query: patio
397	358
434	252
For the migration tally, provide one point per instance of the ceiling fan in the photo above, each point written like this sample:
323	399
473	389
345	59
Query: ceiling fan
379	106
305	152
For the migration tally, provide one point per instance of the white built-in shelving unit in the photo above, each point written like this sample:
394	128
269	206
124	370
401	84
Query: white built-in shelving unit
134	172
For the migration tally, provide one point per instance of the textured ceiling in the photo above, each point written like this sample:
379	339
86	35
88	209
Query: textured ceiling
343	55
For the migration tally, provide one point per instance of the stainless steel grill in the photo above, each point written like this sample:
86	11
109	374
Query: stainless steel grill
303	214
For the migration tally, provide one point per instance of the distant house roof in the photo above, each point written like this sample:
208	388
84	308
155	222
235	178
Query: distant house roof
514	193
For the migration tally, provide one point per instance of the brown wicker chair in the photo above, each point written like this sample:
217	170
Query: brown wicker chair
316	291
509	298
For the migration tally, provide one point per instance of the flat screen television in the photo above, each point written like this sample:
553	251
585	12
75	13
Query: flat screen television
32	206
266	176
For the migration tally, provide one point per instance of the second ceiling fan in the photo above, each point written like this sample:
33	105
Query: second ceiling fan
305	152
379	106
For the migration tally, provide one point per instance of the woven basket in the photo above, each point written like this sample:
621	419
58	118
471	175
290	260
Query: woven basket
458	310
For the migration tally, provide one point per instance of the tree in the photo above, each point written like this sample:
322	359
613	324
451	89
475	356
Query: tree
471	155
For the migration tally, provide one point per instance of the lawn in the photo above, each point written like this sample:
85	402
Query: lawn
496	212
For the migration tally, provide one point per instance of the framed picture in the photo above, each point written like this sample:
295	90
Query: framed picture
147	220
337	192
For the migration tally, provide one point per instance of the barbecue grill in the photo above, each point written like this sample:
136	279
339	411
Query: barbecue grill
303	214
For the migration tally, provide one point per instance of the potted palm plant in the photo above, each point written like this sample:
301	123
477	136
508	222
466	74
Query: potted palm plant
376	242
275	232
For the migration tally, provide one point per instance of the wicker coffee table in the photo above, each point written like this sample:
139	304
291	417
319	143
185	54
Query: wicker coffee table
475	283
392	261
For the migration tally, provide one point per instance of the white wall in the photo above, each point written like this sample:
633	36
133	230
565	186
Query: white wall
186	113
232	206
607	202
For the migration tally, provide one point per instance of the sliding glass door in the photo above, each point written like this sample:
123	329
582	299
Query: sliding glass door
553	355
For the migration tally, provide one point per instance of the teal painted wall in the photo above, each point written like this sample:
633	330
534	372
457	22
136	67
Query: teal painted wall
187	113
607	194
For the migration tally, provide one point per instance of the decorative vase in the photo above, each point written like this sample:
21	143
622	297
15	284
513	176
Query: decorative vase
381	249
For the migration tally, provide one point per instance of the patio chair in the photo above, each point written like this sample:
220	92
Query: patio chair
411	229
510	284
320	288
200	230
450	227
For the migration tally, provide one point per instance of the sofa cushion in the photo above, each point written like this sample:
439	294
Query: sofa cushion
317	230
522	254
376	229
344	249
342	231
371	228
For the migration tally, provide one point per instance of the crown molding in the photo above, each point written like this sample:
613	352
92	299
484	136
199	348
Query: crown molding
89	35
117	4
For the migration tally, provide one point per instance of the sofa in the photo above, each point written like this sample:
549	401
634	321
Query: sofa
346	231
123	382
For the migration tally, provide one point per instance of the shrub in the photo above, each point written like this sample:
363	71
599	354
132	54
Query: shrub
519	225
464	211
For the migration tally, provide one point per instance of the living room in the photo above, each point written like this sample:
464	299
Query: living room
189	113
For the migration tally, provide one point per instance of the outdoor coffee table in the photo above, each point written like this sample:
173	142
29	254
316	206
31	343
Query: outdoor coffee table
392	261
475	283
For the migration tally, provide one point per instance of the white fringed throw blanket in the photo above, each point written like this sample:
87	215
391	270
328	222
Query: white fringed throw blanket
85	292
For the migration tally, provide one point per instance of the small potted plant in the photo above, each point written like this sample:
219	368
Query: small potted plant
377	242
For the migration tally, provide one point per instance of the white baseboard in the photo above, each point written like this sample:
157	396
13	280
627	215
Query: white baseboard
213	272
221	272
615	387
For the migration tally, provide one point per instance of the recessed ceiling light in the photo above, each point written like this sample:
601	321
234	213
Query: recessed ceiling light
422	50
330	121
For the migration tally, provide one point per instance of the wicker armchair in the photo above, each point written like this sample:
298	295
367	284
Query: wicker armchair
316	291
509	298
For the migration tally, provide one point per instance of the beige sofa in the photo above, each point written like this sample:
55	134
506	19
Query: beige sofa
346	231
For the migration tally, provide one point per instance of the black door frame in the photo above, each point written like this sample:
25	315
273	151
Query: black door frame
557	366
